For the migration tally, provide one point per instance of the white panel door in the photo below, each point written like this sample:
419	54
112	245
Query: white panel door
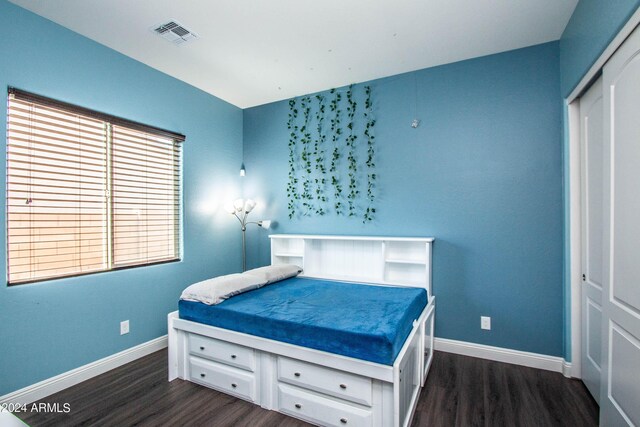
591	137
620	381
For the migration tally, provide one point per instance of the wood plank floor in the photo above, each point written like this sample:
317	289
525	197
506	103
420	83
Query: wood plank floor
460	391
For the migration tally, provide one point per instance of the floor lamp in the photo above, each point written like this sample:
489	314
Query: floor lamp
240	209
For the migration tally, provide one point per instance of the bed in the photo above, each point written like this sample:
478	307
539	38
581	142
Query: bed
348	342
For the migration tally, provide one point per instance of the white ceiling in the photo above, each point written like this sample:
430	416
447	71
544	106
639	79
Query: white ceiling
251	52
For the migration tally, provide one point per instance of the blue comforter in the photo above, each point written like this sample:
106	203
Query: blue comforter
362	321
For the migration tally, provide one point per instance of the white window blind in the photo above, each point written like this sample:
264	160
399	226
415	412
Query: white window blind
146	197
87	192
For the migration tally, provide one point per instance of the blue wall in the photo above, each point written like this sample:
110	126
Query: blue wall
52	327
592	26
482	174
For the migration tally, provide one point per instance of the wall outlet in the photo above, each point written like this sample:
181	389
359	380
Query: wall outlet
124	327
485	322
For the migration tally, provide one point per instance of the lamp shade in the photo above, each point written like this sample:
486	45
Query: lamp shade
249	205
230	208
238	204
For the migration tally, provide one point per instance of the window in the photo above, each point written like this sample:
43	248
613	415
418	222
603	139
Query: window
87	192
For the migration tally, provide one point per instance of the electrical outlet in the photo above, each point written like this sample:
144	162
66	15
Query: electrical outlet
124	327
485	322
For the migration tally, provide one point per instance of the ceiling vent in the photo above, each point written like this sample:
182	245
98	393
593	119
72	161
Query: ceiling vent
174	32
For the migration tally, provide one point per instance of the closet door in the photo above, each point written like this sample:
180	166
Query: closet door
620	387
591	140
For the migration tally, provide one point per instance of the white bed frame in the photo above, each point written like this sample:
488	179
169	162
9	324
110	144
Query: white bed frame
316	386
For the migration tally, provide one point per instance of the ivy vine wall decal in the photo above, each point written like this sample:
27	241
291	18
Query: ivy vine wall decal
332	154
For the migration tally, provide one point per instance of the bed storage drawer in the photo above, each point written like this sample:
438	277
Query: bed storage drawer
223	352
224	378
320	410
325	380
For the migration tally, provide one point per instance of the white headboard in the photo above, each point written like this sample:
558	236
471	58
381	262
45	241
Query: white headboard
402	261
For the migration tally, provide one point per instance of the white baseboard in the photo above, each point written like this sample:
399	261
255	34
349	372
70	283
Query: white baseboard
517	357
55	384
567	370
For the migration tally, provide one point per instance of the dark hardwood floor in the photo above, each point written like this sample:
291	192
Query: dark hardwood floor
465	391
460	391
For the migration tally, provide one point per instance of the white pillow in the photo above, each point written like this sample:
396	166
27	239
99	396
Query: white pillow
214	291
275	273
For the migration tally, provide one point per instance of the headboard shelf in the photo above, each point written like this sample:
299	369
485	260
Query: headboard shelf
404	261
289	254
350	238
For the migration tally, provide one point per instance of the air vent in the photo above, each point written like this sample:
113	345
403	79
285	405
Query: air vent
174	32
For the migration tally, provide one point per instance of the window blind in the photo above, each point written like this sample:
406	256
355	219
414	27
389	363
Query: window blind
146	197
85	193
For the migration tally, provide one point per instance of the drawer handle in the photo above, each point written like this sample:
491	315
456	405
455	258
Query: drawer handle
233	356
201	347
298	406
234	385
202	375
343	420
343	386
297	374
